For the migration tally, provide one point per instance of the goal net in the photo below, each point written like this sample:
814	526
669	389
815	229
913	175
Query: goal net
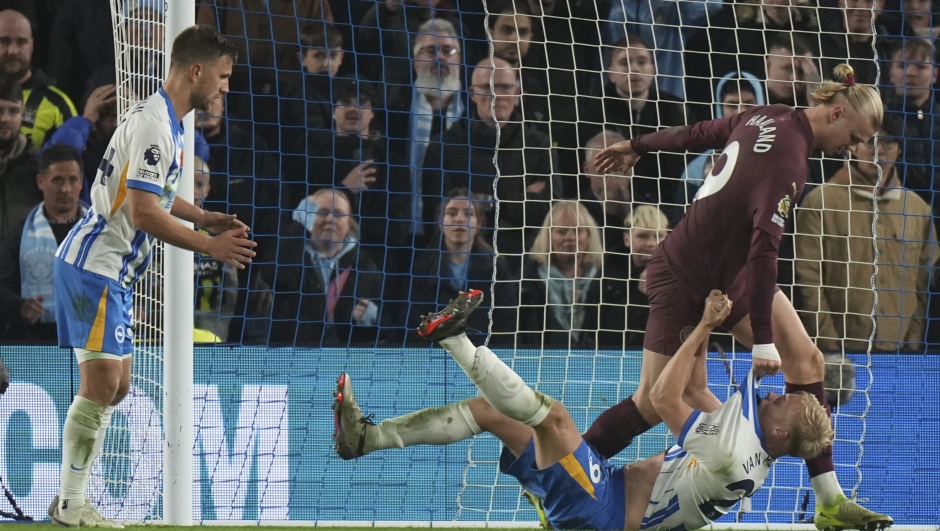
388	106
126	481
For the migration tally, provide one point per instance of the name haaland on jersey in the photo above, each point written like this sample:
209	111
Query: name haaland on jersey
720	458
144	154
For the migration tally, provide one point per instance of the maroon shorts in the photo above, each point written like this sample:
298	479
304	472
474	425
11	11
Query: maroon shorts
675	308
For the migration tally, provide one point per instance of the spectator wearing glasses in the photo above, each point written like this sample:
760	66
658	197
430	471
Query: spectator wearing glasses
351	157
913	74
462	157
322	289
387	36
420	112
835	256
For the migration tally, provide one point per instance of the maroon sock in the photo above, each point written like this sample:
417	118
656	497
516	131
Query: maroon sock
615	429
822	463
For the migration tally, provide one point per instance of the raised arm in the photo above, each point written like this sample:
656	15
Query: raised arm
667	392
710	134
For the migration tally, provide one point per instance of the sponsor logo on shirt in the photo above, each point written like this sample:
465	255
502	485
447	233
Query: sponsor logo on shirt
707	429
147	175
152	155
783	210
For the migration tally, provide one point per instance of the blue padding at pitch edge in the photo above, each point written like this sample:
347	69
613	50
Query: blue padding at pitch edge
263	473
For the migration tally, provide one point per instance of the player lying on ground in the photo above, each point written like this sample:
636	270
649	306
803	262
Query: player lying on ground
722	455
729	239
133	201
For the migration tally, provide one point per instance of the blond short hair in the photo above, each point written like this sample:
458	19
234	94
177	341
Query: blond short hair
811	431
646	217
541	249
863	98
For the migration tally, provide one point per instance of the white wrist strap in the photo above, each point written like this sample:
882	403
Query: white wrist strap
765	352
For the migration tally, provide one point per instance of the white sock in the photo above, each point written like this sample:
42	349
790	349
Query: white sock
498	384
439	425
79	436
461	349
827	489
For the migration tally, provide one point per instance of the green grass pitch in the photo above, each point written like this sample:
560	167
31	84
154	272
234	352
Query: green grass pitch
51	527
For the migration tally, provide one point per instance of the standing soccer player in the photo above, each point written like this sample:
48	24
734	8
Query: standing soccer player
133	201
729	239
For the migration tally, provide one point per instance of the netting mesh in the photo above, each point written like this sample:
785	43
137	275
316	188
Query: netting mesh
127	482
386	105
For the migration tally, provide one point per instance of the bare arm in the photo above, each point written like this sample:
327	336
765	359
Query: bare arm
147	216
187	211
232	247
667	392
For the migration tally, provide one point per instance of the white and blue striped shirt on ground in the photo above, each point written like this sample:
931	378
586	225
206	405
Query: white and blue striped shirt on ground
720	458
146	154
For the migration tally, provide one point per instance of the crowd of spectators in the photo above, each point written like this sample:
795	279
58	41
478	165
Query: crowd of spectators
390	153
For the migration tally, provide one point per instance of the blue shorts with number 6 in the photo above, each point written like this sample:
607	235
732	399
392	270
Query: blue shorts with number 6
582	491
92	312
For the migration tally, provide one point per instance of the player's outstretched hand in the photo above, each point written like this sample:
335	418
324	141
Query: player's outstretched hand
233	247
619	156
717	308
217	223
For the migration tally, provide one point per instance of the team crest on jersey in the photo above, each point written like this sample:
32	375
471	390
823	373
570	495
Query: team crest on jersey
685	333
783	210
152	155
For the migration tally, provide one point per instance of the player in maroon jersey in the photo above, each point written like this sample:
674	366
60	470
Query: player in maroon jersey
729	240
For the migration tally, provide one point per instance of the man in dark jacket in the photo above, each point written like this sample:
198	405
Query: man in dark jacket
462	157
45	107
27	252
913	74
849	40
324	289
18	168
631	105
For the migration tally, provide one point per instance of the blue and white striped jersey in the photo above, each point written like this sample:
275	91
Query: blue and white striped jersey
145	153
720	458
